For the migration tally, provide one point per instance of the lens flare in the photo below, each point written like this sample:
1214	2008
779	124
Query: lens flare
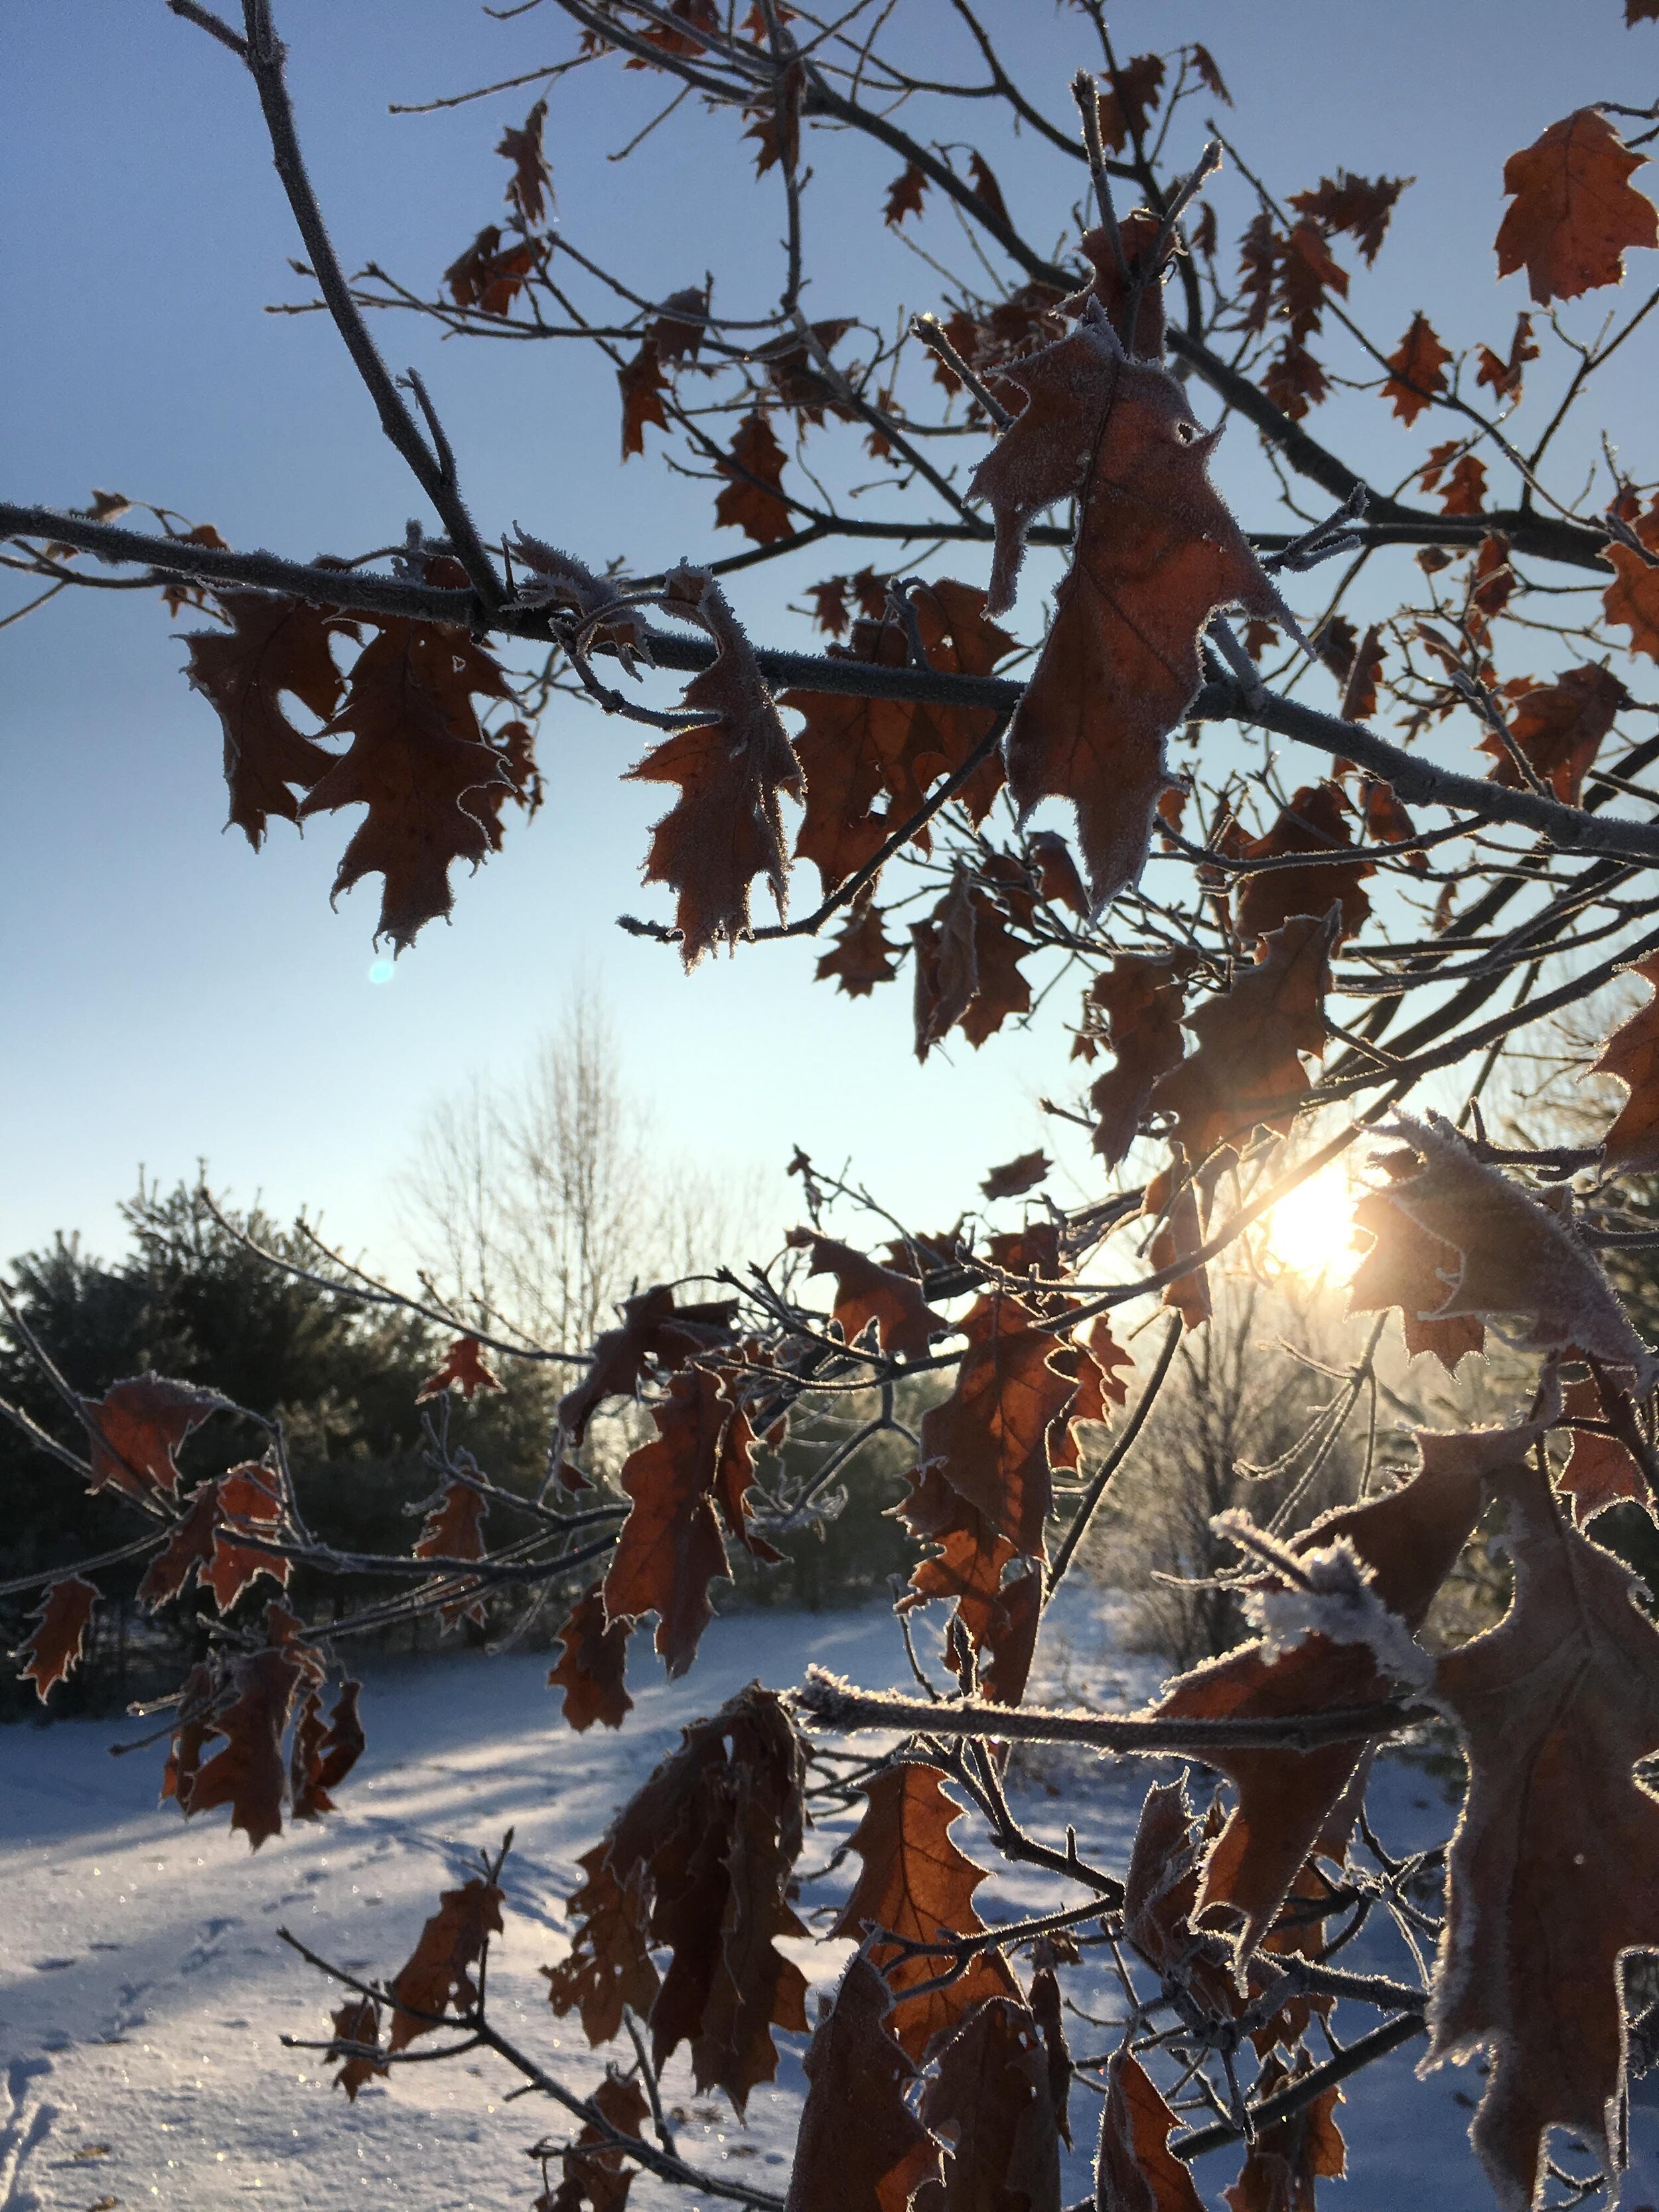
1310	1231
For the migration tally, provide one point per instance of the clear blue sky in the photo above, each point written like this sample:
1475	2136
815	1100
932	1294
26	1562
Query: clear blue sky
166	994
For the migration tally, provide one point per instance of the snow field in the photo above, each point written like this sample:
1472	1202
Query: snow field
144	1990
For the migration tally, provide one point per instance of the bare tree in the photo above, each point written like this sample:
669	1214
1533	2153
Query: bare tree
540	1202
1255	1417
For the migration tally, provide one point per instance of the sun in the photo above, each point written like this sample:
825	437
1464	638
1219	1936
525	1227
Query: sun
1309	1233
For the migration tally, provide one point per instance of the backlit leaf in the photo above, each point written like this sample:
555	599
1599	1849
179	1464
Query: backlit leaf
463	1368
1136	2171
273	646
1519	1257
57	1633
753	499
1417	371
1409	1541
1575	212
726	827
853	2065
1554	1873
419	762
135	1428
1158	552
870	1297
1558	729
1247	1071
1015	1177
915	1883
989	2099
1631	1055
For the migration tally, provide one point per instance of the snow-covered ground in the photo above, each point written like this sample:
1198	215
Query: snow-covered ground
144	1990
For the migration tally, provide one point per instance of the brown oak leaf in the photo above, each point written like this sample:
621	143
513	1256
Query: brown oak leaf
1160	1896
463	1368
189	1546
530	186
1492	582
1047	2009
697	15
135	1428
986	190
1505	376
905	194
1137	2172
870	1297
990	1437
357	2020
57	1633
272	646
1575	212
1409	1541
488	276
1316	821
967	968
1135	1007
1631	600
641	384
246	1496
1359	687
453	1530
870	762
680	324
655	1333
1599	1470
1015	1177
853	2065
1417	371
671	1547
438	1978
753	501
1173	1193
1209	75
1286	2161
1558	729
1158	552
1518	1256
1553	1874
1632	1055
1057	880
324	1753
861	956
1095	1357
419	762
594	2179
794	370
1126	108
609	1967
700	1860
1406	1267
913	1882
593	1670
1360	206
1387	822
1139	237
247	1771
989	2099
1247	1070
998	1607
726	827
